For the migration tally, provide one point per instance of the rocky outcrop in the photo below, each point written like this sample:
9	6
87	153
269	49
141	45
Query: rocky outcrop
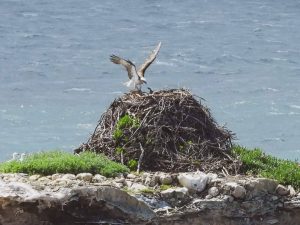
22	204
149	198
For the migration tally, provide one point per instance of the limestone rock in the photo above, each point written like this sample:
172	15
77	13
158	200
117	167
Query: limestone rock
98	178
120	180
228	198
34	177
128	183
144	176
282	190
213	191
56	176
262	185
177	193
23	205
117	185
85	177
150	181
62	202
239	192
212	177
292	191
136	187
234	189
69	176
167	193
181	192
131	176
166	179
195	181
44	180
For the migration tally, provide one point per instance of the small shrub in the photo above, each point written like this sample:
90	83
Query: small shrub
132	164
118	134
128	121
119	150
125	122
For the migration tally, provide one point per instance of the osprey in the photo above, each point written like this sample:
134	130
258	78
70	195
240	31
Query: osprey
136	77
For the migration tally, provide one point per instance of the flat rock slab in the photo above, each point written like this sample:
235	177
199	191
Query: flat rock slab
21	204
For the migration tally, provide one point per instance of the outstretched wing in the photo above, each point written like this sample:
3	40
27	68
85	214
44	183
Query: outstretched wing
149	60
126	63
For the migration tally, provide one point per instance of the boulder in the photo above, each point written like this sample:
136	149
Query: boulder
282	190
131	176
262	185
151	180
177	193
34	177
56	176
291	190
236	190
213	191
98	178
23	205
165	179
193	181
69	176
85	177
239	192
136	187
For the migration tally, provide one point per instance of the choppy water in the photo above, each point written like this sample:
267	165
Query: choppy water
243	57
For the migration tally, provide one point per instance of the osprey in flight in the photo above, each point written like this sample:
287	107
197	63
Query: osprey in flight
136	76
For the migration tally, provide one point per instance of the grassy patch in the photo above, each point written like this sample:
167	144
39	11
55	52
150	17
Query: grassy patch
258	163
47	163
164	187
148	191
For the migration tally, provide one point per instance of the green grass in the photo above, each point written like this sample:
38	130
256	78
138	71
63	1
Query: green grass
258	163
150	191
164	187
125	122
47	163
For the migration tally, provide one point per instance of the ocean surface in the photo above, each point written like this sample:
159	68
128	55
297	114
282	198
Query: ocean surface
242	57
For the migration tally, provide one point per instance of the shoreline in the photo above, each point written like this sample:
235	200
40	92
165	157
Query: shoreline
147	198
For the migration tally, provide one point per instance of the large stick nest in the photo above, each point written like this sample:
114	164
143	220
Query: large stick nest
166	130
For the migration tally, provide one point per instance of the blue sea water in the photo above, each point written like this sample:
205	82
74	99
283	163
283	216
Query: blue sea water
56	79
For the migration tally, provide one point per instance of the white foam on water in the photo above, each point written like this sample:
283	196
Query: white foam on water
75	89
165	63
270	89
295	106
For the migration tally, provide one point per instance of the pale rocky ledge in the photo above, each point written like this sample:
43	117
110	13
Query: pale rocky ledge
147	198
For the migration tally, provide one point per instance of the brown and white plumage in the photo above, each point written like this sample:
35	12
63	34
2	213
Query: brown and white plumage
148	61
136	77
126	63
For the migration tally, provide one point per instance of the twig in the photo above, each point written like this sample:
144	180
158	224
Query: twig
140	159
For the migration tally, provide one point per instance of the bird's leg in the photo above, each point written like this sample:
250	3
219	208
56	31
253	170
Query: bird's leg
150	90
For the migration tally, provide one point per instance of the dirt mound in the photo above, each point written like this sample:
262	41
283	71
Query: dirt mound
168	130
